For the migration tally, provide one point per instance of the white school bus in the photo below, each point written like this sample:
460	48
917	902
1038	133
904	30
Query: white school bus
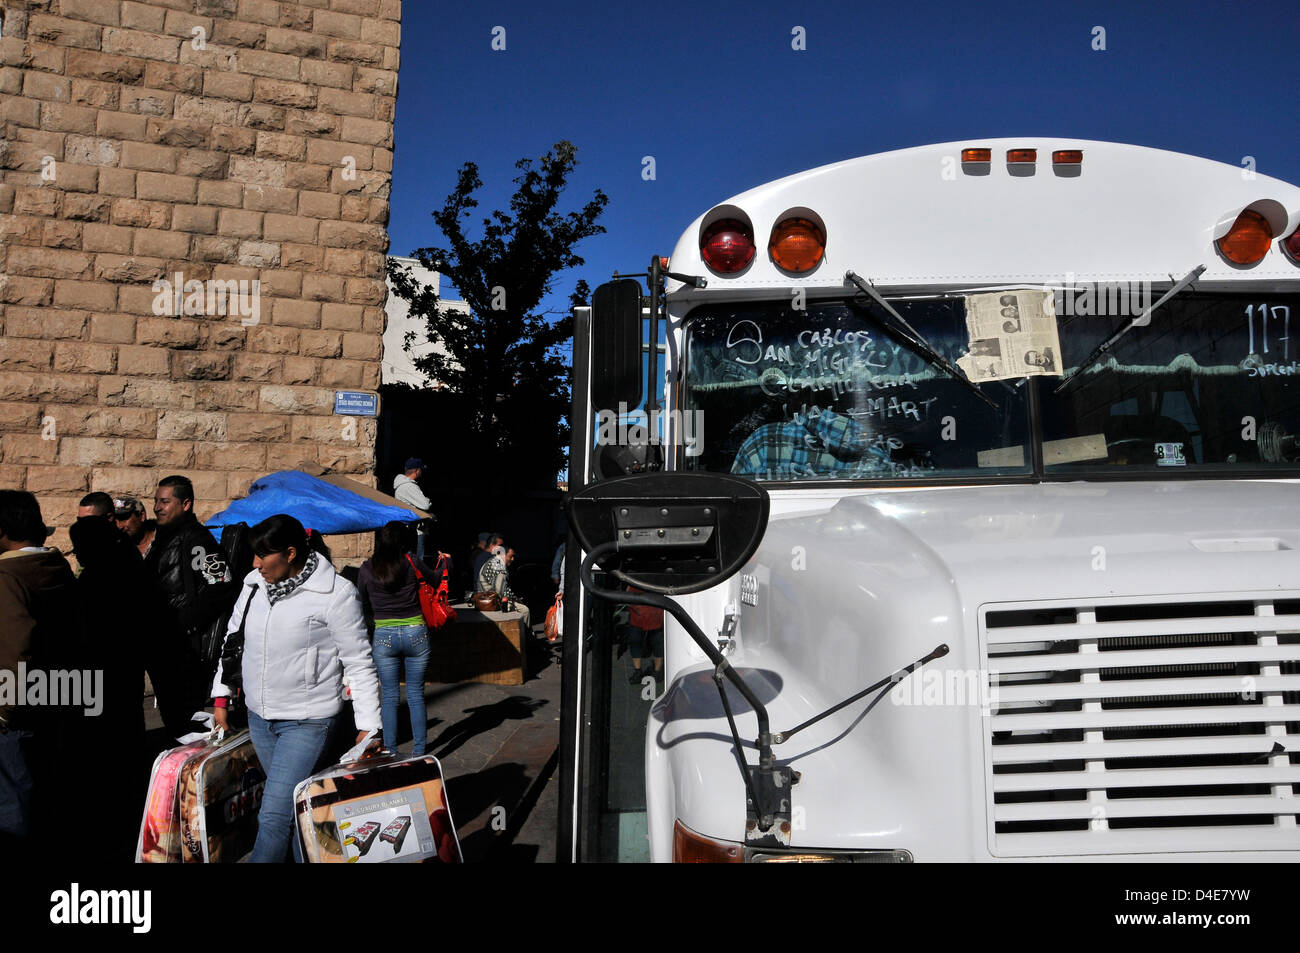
1023	418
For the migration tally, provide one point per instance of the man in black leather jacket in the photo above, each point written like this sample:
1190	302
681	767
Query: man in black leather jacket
198	589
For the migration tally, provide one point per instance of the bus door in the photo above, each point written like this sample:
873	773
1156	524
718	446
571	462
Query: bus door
606	702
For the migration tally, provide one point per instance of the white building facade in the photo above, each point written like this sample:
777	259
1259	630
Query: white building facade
397	365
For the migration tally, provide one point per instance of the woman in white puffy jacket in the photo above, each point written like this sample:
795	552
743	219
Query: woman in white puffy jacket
304	630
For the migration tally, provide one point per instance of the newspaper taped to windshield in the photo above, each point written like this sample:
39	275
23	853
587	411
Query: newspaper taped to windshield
1012	334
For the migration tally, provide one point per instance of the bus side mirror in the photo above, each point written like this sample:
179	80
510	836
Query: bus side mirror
672	532
616	345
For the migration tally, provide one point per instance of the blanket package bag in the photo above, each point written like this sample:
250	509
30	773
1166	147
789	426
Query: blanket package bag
203	802
381	808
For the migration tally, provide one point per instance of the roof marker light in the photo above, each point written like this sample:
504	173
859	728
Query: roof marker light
976	155
1022	155
797	245
1247	241
1067	157
727	246
1292	246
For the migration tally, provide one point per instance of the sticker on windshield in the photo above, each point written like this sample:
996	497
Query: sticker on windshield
1011	334
1170	455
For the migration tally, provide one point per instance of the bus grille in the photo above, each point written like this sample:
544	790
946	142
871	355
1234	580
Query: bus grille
1143	728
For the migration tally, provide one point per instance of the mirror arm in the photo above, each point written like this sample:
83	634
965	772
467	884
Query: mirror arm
692	280
718	675
766	760
687	623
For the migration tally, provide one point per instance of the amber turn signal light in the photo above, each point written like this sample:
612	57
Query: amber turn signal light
797	245
692	848
1248	240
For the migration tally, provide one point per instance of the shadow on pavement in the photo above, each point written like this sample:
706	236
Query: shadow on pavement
483	718
474	799
541	656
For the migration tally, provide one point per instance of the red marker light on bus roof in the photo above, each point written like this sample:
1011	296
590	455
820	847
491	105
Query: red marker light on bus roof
797	245
1022	155
727	246
1248	240
1292	246
976	155
1067	157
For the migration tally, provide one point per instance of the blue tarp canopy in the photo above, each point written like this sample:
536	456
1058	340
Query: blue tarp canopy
313	502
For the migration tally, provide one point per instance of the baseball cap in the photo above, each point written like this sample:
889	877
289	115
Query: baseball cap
124	506
414	463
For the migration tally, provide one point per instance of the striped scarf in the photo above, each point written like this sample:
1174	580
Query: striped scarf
275	591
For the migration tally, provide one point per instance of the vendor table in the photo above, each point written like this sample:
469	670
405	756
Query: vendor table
488	647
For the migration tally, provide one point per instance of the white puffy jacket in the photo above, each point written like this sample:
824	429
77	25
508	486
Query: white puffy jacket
296	652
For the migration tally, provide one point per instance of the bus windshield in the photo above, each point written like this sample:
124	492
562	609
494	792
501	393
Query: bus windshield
1210	385
826	393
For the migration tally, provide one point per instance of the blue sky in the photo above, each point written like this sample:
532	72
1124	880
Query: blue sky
721	100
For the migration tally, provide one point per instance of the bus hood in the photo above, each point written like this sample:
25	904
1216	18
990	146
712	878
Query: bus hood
836	600
1009	543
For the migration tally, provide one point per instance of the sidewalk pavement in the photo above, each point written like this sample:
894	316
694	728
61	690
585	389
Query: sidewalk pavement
499	749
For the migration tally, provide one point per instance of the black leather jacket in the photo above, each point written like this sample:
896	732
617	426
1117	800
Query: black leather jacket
192	574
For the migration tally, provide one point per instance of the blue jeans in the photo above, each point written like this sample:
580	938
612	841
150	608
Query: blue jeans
393	643
641	640
15	785
289	752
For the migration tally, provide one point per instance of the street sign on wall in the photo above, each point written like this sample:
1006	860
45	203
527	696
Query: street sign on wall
355	403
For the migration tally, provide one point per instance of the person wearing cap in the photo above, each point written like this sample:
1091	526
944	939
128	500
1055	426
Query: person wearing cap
129	515
407	490
161	658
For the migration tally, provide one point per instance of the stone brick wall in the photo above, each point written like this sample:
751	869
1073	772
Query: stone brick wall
223	140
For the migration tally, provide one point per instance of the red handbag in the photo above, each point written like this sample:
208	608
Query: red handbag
434	604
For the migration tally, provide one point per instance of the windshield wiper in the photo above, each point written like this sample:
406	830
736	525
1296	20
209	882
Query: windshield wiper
1140	321
909	335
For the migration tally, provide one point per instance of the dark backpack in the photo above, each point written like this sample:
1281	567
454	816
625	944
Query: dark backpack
237	547
237	552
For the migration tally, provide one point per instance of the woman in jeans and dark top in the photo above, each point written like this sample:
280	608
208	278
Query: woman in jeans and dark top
390	594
